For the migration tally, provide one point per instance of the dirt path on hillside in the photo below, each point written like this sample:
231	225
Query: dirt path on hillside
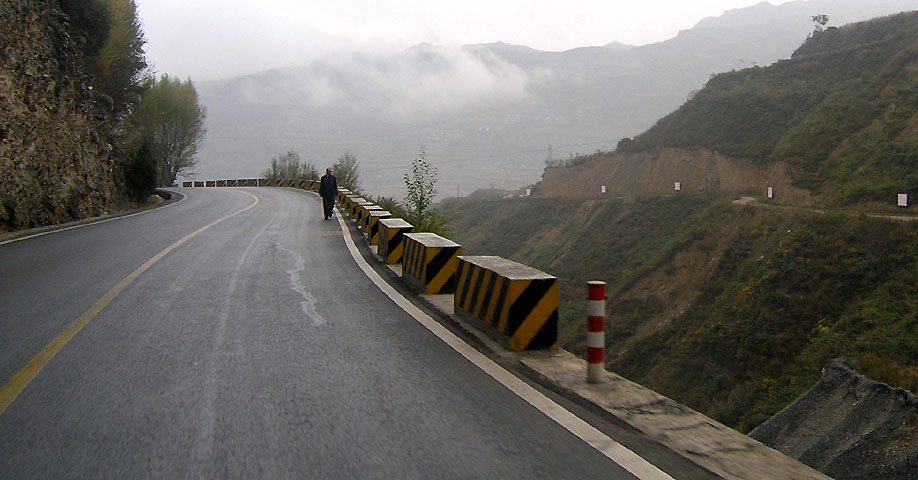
753	202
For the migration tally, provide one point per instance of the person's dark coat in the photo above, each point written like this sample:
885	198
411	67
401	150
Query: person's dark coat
328	185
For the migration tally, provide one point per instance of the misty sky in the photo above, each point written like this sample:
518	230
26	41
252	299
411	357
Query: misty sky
211	39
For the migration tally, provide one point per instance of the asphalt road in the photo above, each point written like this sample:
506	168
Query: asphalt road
232	335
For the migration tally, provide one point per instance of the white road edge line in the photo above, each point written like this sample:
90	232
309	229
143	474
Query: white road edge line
630	461
104	220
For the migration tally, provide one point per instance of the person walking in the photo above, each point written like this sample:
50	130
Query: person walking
328	189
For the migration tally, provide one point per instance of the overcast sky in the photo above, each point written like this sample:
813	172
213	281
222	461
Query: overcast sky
211	39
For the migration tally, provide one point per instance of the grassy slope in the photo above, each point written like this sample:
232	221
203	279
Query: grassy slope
842	111
734	310
766	297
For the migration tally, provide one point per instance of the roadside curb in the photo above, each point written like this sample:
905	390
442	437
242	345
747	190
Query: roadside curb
169	197
708	444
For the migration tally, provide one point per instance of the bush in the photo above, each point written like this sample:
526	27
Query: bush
140	174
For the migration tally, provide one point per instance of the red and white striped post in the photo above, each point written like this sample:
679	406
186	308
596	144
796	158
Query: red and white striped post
596	326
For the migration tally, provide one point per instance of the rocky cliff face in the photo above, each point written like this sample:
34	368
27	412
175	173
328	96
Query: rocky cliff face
849	427
54	166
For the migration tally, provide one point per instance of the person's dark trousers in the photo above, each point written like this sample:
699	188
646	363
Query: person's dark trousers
328	203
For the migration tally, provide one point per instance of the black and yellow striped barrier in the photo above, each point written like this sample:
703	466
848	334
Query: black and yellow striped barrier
372	228
347	202
429	263
363	217
342	192
517	301
256	182
391	239
352	203
354	211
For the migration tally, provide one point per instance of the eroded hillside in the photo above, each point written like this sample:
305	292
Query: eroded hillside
656	172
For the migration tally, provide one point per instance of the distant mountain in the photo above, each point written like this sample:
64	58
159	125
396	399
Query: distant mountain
841	113
488	114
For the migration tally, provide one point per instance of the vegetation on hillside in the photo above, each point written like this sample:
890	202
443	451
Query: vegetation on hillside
288	167
841	111
420	188
144	117
731	310
169	120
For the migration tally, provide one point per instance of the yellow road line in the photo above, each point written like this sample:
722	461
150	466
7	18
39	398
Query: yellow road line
24	376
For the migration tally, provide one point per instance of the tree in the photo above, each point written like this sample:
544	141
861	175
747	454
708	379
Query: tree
420	185
288	167
170	119
819	24
347	172
140	173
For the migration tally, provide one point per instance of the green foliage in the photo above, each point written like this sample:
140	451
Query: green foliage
785	302
288	167
420	184
838	111
785	292
140	173
170	119
347	172
119	67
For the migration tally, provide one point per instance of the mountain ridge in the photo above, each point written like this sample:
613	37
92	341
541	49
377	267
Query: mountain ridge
492	117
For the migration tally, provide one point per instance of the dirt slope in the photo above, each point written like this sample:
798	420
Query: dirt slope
655	173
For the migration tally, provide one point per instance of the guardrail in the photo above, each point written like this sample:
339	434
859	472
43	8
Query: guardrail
311	185
513	302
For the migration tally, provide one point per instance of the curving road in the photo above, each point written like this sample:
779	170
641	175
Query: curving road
231	334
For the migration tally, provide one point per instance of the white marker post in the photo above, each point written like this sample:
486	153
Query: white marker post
903	199
678	186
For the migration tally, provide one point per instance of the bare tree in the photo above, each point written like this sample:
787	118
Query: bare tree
347	172
288	166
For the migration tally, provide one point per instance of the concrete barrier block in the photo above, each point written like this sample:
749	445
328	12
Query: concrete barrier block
187	184
429	263
210	183
372	228
391	239
518	302
347	201
198	183
363	217
358	202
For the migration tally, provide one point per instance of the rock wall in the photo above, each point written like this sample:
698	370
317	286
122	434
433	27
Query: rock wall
54	165
849	427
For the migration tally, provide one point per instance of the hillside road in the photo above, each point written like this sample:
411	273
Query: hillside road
231	334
